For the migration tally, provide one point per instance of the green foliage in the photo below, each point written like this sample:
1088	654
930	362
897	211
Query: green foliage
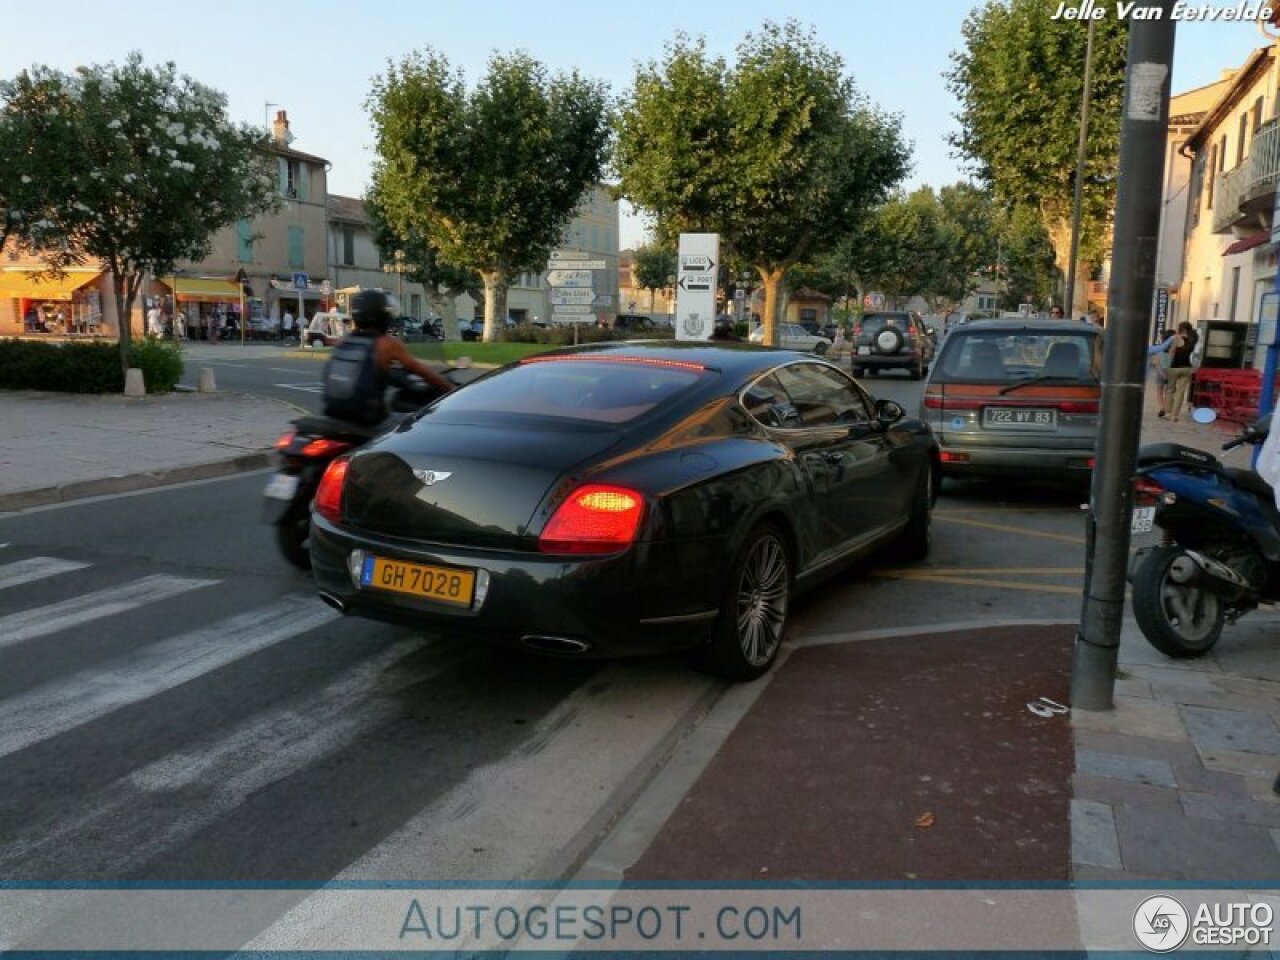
777	153
130	165
490	177
653	265
1019	82
1027	259
563	335
160	362
424	263
85	367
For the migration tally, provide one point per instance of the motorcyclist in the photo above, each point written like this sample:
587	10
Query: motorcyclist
372	312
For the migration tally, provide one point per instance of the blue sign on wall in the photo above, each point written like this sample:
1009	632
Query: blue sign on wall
300	281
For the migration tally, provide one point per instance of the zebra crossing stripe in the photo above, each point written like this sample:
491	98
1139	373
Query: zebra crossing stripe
62	705
51	618
36	568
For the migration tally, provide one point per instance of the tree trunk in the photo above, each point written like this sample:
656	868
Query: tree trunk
1060	237
495	304
124	319
772	280
445	304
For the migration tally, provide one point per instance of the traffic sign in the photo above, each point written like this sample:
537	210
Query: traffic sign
558	316
562	295
300	281
695	294
569	278
573	308
569	254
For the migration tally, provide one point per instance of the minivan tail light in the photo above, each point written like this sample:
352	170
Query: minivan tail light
1078	406
328	500
594	519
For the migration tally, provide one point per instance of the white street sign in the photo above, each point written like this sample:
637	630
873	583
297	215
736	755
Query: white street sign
696	286
573	308
569	278
569	254
559	317
562	295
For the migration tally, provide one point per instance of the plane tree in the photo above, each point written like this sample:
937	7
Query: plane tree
777	152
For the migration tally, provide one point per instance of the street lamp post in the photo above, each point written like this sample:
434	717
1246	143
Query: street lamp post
1081	156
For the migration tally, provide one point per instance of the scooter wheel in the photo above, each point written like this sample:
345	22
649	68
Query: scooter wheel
1181	620
293	530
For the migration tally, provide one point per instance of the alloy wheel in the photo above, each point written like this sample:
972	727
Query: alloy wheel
762	600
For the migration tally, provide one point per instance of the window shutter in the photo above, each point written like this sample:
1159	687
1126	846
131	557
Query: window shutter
303	177
283	166
244	241
295	248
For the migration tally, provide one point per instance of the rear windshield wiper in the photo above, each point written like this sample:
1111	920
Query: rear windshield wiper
1030	380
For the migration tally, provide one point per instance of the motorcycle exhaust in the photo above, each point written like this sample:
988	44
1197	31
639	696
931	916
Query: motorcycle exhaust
1198	570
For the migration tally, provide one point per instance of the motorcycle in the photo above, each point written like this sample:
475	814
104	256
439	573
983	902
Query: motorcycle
313	443
1219	552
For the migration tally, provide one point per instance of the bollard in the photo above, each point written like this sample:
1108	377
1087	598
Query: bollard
133	384
207	384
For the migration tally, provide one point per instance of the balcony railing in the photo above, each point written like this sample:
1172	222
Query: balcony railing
1239	190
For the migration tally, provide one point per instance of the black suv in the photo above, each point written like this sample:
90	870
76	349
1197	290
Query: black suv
887	341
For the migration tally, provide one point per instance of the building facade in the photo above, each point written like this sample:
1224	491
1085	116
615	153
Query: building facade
1222	185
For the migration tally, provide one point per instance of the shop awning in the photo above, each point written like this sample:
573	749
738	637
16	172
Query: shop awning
23	284
1248	243
203	289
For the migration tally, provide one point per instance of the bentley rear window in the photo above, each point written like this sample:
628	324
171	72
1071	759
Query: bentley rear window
576	388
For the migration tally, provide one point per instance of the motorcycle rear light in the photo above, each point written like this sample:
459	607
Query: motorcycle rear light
594	519
328	501
324	447
285	440
1146	492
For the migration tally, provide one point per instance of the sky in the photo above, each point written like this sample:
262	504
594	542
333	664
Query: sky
316	59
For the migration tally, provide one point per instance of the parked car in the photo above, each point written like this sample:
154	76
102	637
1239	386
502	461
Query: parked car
792	336
565	503
891	341
1018	398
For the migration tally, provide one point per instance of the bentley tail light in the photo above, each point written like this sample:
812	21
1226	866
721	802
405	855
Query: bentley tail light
328	501
594	519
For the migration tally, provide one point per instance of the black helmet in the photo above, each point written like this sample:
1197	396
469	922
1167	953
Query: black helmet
372	310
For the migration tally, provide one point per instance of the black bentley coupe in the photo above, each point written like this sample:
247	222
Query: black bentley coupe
625	498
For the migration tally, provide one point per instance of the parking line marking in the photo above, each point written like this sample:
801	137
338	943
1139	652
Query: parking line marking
976	582
1006	528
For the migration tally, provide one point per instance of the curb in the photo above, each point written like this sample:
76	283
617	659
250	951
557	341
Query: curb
68	493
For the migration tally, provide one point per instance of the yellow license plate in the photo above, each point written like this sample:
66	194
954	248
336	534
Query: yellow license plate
446	584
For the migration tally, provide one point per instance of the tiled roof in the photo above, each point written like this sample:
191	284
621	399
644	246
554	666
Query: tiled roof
347	208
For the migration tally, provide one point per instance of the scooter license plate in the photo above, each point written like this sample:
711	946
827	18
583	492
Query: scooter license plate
281	487
864	351
1144	520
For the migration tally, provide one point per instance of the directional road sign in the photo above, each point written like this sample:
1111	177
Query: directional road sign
559	317
562	295
695	294
569	278
573	308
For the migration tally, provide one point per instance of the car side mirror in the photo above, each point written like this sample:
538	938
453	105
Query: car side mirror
889	412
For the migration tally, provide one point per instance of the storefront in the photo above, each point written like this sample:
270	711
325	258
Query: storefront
208	307
69	305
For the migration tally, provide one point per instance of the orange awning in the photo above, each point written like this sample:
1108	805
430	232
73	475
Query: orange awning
203	289
16	284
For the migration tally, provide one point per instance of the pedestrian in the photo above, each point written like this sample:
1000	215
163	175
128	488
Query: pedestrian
286	326
1095	318
1055	313
155	321
180	324
1180	371
1160	356
215	325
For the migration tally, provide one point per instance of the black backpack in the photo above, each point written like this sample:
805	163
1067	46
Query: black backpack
352	388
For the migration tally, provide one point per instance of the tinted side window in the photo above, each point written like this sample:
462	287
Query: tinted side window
822	396
768	403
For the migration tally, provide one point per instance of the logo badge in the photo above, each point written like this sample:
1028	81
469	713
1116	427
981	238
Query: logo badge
1161	924
432	477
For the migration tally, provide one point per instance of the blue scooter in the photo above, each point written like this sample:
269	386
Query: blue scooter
1219	550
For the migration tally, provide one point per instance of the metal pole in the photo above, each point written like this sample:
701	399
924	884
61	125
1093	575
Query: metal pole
1081	158
1137	227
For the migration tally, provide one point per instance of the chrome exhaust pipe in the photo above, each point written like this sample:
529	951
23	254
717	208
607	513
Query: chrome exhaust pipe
561	645
334	602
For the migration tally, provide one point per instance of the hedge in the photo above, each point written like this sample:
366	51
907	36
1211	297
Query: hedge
86	367
562	335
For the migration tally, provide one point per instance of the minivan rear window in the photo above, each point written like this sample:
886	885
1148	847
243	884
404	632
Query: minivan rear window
1008	356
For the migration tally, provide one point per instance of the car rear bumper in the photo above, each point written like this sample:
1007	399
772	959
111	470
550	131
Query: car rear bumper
903	360
600	606
959	459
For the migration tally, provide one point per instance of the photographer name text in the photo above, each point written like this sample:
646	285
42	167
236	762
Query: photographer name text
1092	10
